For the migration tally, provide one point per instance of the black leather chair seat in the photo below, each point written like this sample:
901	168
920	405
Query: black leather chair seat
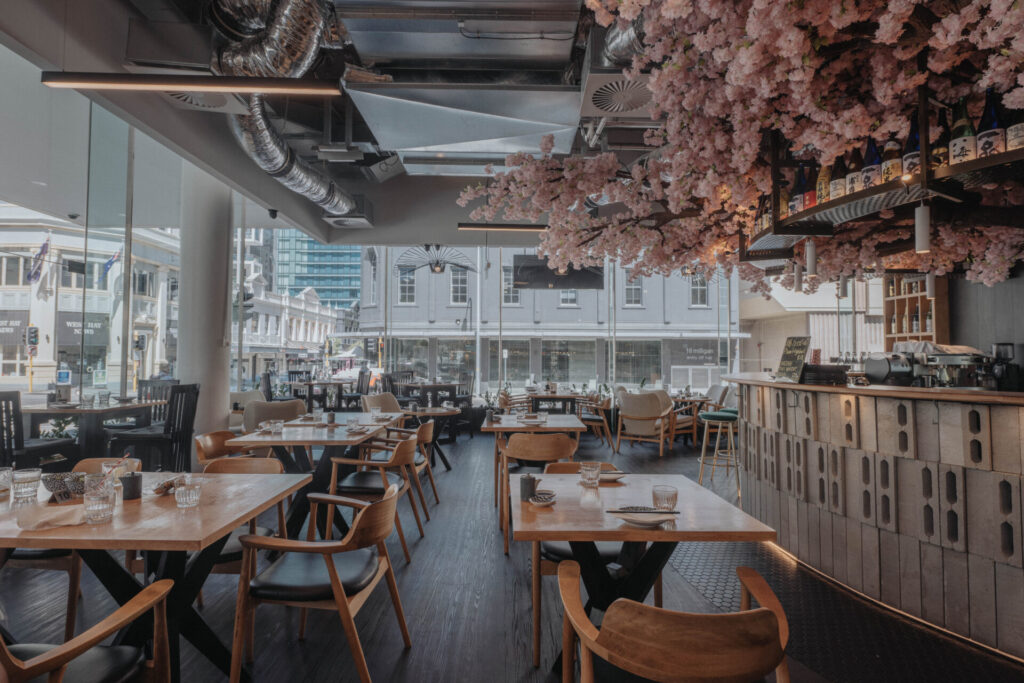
232	550
303	577
560	550
590	417
39	553
383	456
97	665
368	482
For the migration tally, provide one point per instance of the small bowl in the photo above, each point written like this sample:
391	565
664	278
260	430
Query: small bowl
543	498
55	482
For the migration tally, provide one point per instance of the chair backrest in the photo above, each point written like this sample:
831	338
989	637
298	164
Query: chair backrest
363	382
259	411
298	375
402	453
179	422
640	405
386	402
242	398
540	447
11	436
373	524
211	445
663	398
573	467
425	432
156	390
265	388
387	383
95	465
715	393
245	466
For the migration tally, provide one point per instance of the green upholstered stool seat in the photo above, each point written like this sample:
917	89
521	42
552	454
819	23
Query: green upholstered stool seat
718	416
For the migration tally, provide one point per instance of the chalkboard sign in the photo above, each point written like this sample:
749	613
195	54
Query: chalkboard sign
793	356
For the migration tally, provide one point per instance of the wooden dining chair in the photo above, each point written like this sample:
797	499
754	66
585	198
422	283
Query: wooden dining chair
662	645
424	434
213	446
95	465
327	574
83	658
365	484
529	448
643	418
594	414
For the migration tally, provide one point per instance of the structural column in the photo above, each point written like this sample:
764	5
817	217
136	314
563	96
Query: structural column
204	332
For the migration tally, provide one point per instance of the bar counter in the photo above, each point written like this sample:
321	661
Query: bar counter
911	496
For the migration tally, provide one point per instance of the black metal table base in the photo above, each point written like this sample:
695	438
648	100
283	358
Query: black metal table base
298	511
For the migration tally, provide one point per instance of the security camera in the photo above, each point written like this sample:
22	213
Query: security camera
273	213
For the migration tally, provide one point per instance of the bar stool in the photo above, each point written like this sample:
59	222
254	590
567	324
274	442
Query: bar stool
719	420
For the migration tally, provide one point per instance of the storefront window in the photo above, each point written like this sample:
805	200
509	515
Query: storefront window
568	361
516	365
636	361
412	354
456	358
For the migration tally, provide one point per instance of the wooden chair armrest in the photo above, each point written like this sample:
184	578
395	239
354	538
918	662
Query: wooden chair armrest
645	417
755	585
290	545
349	461
126	614
569	588
401	429
328	499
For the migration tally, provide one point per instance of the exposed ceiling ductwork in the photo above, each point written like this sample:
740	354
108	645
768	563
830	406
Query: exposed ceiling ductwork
283	40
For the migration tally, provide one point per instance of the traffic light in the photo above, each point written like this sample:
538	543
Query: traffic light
32	336
139	344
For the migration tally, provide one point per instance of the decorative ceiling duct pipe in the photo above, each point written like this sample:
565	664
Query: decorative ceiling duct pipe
285	47
239	19
622	41
811	257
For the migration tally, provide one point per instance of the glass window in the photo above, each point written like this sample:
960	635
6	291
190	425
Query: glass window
411	354
406	285
517	365
698	290
12	265
638	360
456	359
568	361
510	294
372	298
634	289
569	297
460	285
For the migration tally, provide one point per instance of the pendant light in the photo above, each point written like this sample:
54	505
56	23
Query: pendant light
929	285
844	287
811	257
798	278
922	229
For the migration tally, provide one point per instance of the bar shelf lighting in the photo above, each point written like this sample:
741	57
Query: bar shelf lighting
186	83
501	227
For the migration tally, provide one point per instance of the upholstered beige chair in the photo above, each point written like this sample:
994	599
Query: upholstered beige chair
642	418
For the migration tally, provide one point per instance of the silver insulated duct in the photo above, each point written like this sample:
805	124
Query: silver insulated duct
621	42
283	40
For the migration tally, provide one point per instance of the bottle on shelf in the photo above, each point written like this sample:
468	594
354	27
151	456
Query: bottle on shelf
906	320
912	148
871	174
939	151
783	200
892	160
810	188
796	197
915	322
837	184
759	215
854	171
928	320
821	186
963	143
991	127
892	323
892	287
1015	131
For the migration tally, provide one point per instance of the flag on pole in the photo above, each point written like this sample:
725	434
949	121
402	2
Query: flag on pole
35	271
111	261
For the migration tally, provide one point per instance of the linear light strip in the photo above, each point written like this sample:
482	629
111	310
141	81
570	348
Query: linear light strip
501	227
184	83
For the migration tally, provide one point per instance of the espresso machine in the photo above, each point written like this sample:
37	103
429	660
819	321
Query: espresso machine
923	364
1004	371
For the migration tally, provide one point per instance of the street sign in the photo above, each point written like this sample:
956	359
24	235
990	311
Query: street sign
63	377
33	351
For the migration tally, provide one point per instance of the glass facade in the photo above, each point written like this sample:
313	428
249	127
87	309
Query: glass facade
455	358
331	269
517	362
568	361
636	361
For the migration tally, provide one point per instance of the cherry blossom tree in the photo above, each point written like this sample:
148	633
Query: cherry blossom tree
826	75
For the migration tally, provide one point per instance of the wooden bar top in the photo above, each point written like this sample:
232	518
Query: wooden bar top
579	513
959	394
155	522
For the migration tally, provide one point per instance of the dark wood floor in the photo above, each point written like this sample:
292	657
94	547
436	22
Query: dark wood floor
468	605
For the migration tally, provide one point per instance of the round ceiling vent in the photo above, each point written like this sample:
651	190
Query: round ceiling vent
620	96
199	100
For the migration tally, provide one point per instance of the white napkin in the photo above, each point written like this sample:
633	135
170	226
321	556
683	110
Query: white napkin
36	518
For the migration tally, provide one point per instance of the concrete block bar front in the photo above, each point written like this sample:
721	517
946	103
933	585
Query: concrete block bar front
911	496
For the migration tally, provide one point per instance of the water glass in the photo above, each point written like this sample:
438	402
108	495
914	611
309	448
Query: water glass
318	415
353	421
590	473
187	491
665	497
103	398
276	426
98	498
543	416
5	478
114	469
375	411
25	483
88	400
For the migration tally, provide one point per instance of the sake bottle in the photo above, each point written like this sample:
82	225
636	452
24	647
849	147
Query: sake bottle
1015	131
837	185
892	160
854	170
912	148
796	198
939	151
871	174
783	202
821	187
759	216
811	189
991	128
963	143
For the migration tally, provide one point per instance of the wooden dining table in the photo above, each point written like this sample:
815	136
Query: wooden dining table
290	447
179	544
91	435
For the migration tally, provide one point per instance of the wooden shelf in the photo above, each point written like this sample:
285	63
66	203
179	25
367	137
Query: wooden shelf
903	305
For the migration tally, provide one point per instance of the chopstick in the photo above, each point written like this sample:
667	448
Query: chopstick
645	512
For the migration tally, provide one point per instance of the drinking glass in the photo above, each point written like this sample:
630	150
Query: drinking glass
5	478
543	416
103	398
318	415
375	411
188	491
88	400
276	426
98	498
352	421
665	497
25	483
118	469
590	473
